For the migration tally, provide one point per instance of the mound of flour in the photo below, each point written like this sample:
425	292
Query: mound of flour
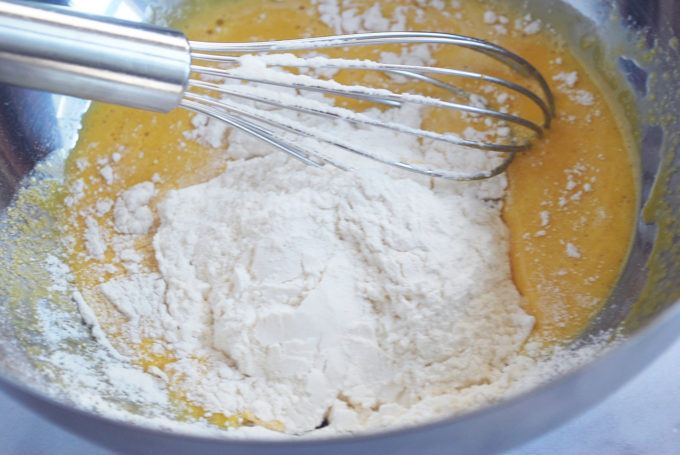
307	295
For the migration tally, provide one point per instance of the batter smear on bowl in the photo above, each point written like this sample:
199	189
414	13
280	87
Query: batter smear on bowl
259	291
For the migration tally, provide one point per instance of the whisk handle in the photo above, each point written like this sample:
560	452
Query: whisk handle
104	59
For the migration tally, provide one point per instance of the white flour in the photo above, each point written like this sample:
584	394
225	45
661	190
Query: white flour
358	299
131	213
326	290
317	297
317	294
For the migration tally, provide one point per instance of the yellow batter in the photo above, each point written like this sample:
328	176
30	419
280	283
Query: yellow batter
570	205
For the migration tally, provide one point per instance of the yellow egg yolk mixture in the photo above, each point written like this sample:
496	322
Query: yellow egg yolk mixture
570	204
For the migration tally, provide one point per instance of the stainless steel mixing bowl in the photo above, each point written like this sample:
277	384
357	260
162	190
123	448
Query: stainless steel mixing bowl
632	46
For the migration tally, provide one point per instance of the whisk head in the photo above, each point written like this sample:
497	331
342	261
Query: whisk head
278	80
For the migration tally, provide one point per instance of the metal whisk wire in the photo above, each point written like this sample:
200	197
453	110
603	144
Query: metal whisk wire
259	124
155	68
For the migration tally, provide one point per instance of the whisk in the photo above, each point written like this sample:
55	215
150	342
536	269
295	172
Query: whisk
154	68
